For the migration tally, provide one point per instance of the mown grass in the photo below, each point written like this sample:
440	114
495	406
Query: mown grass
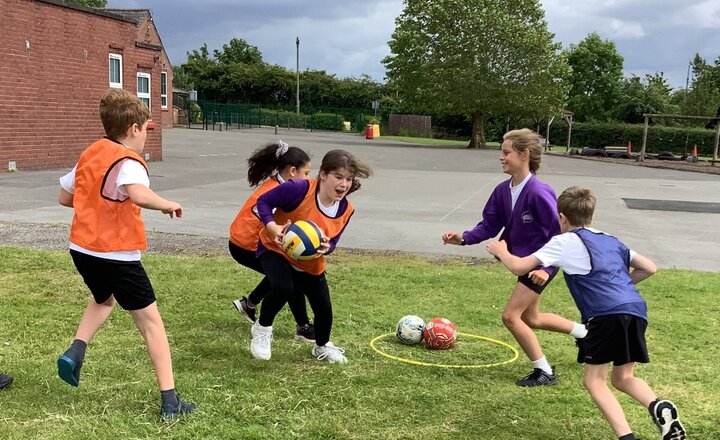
445	143
295	396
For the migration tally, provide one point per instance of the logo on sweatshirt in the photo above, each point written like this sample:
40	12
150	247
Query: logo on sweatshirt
526	217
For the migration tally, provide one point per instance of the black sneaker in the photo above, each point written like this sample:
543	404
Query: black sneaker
538	377
665	415
247	312
305	333
171	412
5	381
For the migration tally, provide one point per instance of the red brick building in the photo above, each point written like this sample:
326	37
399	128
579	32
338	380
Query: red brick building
57	60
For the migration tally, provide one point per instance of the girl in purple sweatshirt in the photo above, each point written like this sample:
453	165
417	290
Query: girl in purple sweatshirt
525	209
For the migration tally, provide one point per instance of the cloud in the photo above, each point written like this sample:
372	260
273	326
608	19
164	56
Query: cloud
624	29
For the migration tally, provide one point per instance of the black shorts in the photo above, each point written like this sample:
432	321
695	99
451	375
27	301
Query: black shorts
527	282
619	339
125	280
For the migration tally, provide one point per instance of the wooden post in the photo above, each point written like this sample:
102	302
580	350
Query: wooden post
568	118
644	144
717	141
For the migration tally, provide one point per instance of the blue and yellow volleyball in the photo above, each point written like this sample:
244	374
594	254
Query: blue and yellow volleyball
302	240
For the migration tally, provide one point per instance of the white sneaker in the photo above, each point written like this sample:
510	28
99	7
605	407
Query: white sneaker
261	341
330	352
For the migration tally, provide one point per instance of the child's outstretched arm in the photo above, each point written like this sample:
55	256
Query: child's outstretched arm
643	268
65	198
146	198
518	266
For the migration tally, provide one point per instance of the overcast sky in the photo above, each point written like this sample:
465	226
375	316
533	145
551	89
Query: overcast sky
350	38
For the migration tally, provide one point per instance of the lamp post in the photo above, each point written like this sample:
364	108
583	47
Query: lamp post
297	75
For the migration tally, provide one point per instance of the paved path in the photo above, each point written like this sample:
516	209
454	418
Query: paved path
417	193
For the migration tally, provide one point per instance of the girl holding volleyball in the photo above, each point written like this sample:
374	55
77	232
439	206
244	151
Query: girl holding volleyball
525	209
324	202
268	167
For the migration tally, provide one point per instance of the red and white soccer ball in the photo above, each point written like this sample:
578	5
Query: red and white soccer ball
440	334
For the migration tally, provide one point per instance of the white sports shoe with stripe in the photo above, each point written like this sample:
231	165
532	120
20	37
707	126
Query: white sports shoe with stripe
329	352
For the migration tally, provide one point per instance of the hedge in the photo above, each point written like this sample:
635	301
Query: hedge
660	138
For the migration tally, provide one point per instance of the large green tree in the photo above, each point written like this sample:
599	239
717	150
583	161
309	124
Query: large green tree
596	80
476	57
238	51
703	96
638	96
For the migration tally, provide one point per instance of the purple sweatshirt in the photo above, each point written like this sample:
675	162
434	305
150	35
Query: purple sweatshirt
288	196
528	227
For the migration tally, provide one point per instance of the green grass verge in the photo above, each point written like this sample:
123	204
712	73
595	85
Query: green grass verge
294	396
444	143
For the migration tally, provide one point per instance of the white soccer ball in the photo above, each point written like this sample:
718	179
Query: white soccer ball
409	329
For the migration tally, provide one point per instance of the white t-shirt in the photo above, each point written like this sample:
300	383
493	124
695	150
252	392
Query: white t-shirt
568	252
330	211
516	190
125	172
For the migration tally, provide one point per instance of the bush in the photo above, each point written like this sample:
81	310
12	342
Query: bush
660	138
326	121
282	118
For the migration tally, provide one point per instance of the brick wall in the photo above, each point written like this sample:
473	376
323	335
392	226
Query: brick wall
53	71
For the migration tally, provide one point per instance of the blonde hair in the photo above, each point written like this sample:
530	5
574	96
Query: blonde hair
526	139
119	110
577	205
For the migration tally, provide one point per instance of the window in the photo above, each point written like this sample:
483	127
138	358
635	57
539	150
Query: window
143	88
163	89
115	71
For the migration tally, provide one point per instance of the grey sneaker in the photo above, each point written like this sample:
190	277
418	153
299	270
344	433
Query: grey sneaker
665	415
305	333
261	345
538	377
330	353
247	312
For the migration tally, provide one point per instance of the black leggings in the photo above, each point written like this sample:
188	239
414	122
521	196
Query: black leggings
288	283
248	259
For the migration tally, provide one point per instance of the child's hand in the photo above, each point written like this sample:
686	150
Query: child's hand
497	248
538	277
324	247
173	209
452	238
277	232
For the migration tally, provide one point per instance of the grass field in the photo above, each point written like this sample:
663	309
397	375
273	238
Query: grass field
446	143
295	396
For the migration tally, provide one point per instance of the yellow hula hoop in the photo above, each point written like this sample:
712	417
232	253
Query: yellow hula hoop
427	364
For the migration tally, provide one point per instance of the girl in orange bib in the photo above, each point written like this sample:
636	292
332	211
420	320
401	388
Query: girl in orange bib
324	202
268	167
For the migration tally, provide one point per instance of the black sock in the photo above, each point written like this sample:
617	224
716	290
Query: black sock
169	397
76	351
630	436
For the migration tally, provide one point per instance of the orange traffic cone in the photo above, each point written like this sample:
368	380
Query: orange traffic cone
695	150
629	148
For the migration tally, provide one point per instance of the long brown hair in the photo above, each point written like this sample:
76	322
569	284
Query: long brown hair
336	159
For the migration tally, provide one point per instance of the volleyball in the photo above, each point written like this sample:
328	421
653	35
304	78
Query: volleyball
440	334
409	329
302	240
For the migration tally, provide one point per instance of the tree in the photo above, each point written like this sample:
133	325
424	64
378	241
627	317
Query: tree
91	3
648	95
476	57
238	51
703	96
596	78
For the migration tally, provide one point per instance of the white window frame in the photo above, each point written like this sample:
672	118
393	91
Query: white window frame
115	56
163	96
149	92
